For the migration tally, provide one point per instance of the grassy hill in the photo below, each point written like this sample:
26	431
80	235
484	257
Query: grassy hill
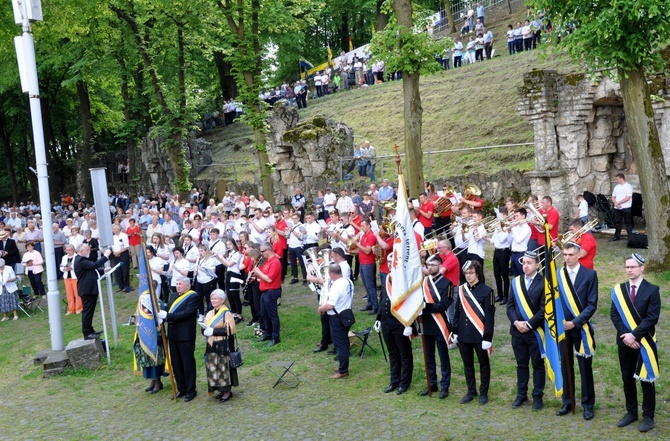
472	106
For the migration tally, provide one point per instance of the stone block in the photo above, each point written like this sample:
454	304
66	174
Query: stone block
291	176
600	163
583	167
42	355
84	353
58	359
603	128
52	372
602	146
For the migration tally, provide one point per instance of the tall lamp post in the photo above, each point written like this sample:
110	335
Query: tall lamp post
25	12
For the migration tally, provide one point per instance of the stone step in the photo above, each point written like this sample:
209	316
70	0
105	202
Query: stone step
58	359
53	372
84	353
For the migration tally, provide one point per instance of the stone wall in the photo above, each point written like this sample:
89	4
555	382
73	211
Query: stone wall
581	140
305	154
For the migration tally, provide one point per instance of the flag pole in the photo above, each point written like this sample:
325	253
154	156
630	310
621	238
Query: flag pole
425	357
397	158
154	304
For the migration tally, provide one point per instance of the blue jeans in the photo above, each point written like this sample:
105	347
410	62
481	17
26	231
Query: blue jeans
371	171
340	336
269	313
369	276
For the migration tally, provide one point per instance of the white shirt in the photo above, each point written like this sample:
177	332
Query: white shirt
340	295
254	235
313	232
329	200
191	255
620	192
501	240
217	247
297	236
170	227
419	228
476	246
119	241
520	237
179	265
583	209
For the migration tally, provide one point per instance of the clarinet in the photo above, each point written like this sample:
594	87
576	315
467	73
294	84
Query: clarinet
260	262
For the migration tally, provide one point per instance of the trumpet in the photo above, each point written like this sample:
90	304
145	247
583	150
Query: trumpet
352	240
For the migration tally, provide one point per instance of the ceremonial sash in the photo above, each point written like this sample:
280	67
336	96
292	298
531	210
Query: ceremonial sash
521	297
587	346
647	365
431	295
473	310
216	318
181	299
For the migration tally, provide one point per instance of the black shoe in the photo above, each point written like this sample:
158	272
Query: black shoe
367	308
305	283
265	338
483	399
444	393
519	402
433	388
293	281
647	424
373	312
151	387
588	415
320	348
189	397
467	398
497	299
390	389
401	390
271	343
223	398
503	302
626	420
91	336
179	395
614	239
538	404
120	289
331	352
336	358
128	289
564	410
251	324
157	388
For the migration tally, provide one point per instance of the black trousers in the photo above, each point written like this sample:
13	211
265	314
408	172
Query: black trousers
326	338
526	350
122	274
340	335
36	283
88	302
58	256
620	216
233	291
585	371
295	258
488	49
468	351
445	364
204	290
400	356
183	365
501	259
628	362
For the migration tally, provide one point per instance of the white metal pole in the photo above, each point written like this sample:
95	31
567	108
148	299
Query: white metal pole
30	69
104	322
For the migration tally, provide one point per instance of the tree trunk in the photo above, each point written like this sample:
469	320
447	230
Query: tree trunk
344	32
646	146
84	153
413	112
226	80
450	16
128	116
382	18
5	134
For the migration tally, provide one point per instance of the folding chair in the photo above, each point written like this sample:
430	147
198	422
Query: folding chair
363	336
28	302
279	369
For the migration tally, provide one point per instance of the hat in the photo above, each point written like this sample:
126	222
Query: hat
638	258
531	255
4	235
466	265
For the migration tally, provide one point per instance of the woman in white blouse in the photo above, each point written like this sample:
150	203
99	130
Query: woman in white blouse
8	299
234	279
205	277
34	264
156	265
74	305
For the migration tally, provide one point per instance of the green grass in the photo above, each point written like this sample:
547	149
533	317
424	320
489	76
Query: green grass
109	403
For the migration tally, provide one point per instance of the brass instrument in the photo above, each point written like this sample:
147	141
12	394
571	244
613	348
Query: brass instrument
536	216
471	190
387	228
324	256
429	245
571	237
352	240
443	203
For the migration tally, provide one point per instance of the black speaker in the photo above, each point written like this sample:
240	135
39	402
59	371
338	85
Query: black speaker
637	241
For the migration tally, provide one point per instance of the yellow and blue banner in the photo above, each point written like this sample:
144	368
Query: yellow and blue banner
553	317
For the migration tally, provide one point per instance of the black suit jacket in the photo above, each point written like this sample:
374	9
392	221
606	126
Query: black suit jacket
586	288
648	305
467	333
536	296
12	257
445	289
87	274
182	321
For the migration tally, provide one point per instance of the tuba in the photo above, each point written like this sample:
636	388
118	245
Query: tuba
443	203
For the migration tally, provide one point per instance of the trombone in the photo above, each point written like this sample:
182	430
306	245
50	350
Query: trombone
571	237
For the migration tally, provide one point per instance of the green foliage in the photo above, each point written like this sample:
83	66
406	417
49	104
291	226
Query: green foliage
407	50
611	34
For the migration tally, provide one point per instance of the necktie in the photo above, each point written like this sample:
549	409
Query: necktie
632	293
573	275
528	282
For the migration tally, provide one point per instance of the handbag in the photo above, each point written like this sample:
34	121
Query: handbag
236	356
346	317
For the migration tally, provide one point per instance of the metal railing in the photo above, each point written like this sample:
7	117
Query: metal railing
347	164
459	10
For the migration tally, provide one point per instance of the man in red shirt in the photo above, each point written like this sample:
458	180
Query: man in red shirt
367	259
134	240
450	267
280	227
552	217
269	275
425	213
587	244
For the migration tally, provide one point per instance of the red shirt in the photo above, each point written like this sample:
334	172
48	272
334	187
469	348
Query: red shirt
552	218
427	206
588	244
452	267
272	269
384	264
134	237
278	249
281	229
368	240
446	213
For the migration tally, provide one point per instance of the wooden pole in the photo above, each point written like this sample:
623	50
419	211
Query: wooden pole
425	357
397	158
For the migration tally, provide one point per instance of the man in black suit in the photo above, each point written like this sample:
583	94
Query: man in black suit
527	289
181	318
8	249
578	287
86	271
434	325
636	306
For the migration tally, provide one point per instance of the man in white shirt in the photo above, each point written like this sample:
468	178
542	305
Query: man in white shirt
344	203
257	227
520	233
296	236
170	227
262	203
622	197
120	247
418	226
329	200
313	230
